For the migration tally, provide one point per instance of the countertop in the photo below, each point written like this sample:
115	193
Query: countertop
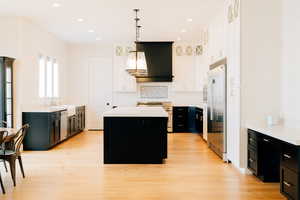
49	109
136	112
190	105
280	132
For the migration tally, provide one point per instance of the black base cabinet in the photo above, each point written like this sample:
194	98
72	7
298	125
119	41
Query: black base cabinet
289	184
274	160
187	119
44	132
76	123
263	156
135	140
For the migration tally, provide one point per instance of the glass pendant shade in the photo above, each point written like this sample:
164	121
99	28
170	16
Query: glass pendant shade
136	62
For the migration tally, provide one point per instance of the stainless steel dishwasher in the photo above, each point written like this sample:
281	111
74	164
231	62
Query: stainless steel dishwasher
64	125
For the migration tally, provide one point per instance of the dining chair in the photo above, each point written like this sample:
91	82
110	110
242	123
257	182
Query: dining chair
13	153
2	135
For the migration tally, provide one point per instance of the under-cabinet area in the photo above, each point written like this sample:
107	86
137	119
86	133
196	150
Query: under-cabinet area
275	159
51	127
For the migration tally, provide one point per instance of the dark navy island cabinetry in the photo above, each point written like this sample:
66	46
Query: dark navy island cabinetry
47	129
275	160
135	136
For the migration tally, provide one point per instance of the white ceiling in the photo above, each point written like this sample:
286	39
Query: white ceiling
113	21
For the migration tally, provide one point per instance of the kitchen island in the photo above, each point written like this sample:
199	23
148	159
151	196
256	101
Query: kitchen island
135	135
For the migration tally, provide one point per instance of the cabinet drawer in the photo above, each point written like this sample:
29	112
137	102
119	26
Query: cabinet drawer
180	126
289	183
252	139
289	157
252	161
180	110
252	134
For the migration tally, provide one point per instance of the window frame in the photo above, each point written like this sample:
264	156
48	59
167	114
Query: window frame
48	88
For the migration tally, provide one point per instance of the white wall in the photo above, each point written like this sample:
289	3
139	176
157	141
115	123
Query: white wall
290	68
78	60
261	47
24	41
9	37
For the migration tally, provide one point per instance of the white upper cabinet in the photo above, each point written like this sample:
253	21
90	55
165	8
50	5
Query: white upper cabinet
189	68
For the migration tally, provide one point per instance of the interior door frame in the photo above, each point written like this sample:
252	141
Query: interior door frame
89	88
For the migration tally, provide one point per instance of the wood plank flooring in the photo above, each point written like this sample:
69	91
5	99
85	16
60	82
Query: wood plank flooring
74	171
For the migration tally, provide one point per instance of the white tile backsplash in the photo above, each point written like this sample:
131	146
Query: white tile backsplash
154	92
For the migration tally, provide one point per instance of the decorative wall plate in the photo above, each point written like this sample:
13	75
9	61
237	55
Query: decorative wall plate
179	51
205	37
236	8
230	14
199	50
119	51
189	51
128	50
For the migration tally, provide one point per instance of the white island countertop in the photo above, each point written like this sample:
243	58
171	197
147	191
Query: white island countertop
136	112
280	132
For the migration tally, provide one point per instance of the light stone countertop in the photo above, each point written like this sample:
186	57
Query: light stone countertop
136	112
280	132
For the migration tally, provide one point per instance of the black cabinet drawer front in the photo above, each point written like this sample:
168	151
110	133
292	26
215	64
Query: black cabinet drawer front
252	154
252	142
252	134
252	161
289	157
252	166
289	183
180	110
180	126
180	116
179	121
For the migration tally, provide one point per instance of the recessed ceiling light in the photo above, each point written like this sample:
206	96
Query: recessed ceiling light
183	31
91	31
179	38
189	20
98	38
56	5
80	20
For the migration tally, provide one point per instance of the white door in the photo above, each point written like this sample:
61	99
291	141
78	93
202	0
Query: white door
100	91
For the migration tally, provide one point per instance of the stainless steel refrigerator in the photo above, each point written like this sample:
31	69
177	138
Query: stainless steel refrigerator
216	109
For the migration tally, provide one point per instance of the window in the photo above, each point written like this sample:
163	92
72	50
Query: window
49	76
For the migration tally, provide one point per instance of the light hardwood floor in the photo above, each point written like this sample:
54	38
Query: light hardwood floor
74	171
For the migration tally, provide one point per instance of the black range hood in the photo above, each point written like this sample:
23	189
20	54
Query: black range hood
159	59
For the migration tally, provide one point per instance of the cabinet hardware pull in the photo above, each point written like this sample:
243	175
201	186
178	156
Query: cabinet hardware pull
287	184
287	156
266	140
251	160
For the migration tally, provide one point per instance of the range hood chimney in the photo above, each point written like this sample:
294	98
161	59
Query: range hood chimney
159	60
151	61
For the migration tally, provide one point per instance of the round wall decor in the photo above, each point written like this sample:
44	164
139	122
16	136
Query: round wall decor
199	50
189	51
119	51
179	51
128	50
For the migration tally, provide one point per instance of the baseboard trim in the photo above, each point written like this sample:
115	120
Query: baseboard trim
244	170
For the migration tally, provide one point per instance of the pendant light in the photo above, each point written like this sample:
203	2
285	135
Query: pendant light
136	62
